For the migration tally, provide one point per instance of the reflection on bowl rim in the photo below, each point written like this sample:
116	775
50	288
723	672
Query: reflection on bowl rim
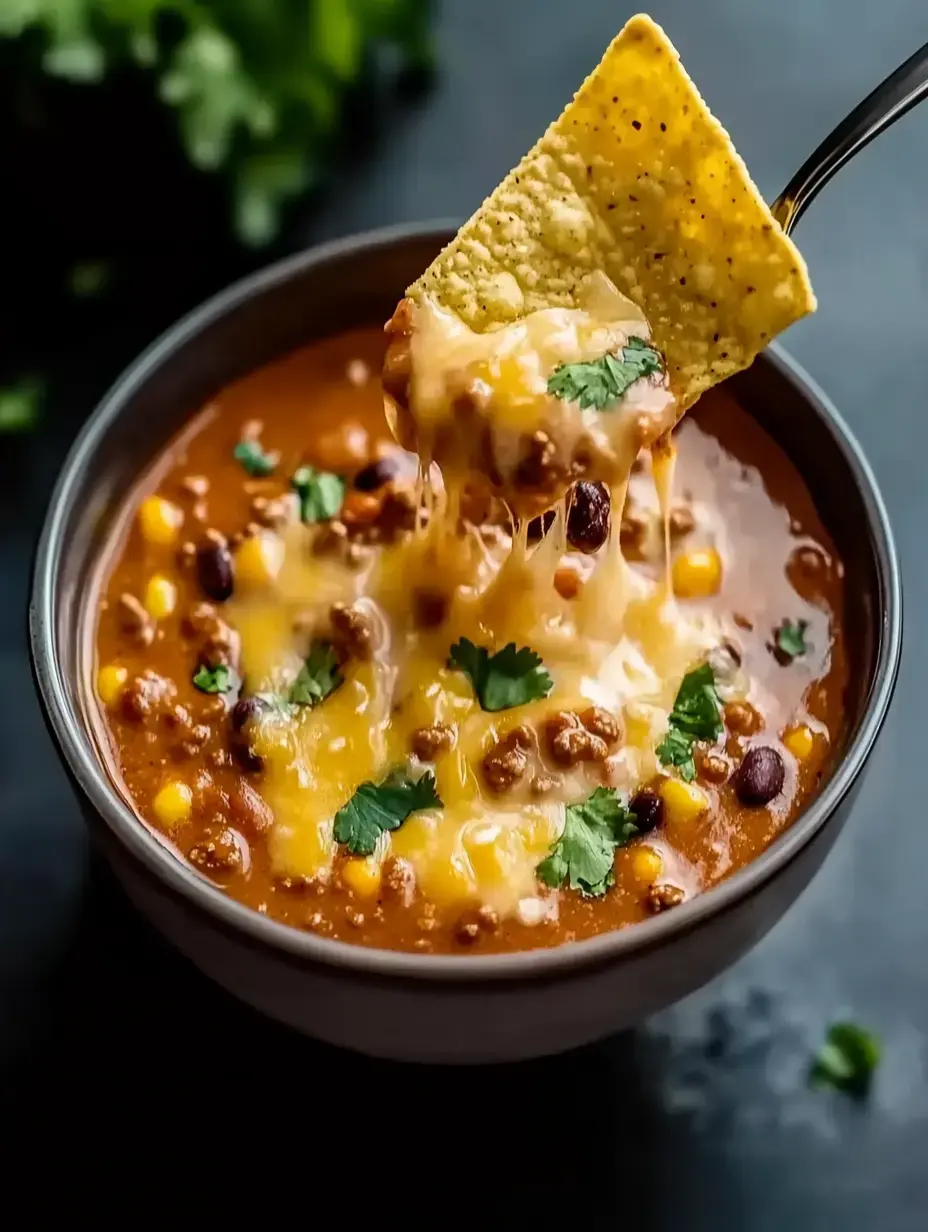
180	879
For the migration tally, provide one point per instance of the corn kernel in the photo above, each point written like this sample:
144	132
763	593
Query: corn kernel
697	574
800	741
110	680
172	804
684	802
362	876
160	521
258	560
160	597
647	864
486	849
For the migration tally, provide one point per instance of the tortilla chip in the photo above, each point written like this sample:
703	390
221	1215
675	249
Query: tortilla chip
636	178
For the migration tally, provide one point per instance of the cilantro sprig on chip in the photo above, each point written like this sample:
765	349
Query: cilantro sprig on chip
603	382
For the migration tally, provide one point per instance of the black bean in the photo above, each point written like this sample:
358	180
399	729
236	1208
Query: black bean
376	474
245	710
648	809
759	777
214	571
588	519
539	527
244	713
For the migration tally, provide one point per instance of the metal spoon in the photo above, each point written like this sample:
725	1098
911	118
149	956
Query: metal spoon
900	92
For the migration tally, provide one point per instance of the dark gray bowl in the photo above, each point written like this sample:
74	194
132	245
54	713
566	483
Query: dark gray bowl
428	1008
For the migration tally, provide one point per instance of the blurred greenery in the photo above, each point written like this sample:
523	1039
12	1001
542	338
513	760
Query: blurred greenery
148	136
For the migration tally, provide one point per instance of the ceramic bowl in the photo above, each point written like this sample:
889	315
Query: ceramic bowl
410	1006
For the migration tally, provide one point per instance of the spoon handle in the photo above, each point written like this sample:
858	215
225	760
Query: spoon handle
900	92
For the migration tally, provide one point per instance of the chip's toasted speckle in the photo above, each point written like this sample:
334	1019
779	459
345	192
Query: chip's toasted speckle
636	178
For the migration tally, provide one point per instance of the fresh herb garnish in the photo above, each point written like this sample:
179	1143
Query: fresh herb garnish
321	493
847	1060
19	406
790	640
88	279
221	679
583	855
377	807
695	716
508	678
318	677
255	460
604	381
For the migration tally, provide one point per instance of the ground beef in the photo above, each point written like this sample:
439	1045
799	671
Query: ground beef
663	897
352	631
601	723
398	880
428	742
507	760
134	620
475	922
569	742
146	696
218	850
538	468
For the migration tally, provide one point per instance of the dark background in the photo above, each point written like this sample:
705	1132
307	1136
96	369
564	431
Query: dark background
124	1071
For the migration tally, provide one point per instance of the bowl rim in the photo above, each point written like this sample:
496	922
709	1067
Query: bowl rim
85	767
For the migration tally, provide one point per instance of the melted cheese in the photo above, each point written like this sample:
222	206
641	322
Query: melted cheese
476	398
621	643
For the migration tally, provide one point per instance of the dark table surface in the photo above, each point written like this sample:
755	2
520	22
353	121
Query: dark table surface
113	1050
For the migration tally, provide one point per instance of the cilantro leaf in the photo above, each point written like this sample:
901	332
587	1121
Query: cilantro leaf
676	749
603	382
377	807
847	1060
321	493
695	716
88	279
254	459
258	92
508	678
214	96
790	640
318	677
583	855
19	406
221	679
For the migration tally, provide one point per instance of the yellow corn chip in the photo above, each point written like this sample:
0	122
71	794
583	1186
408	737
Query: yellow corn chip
636	178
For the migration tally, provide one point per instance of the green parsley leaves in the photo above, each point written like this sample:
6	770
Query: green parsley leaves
790	641
318	677
253	458
508	678
847	1060
603	382
321	493
695	716
221	679
583	855
377	807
